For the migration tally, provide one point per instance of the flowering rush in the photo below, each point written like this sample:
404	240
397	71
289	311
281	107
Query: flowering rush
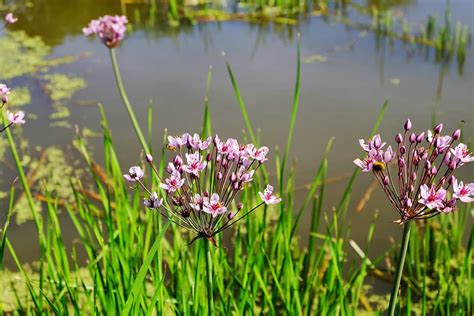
423	170
17	118
110	29
203	182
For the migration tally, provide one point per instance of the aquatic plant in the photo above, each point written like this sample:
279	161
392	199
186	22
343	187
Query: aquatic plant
204	180
418	189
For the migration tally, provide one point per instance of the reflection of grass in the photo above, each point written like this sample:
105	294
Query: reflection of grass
136	264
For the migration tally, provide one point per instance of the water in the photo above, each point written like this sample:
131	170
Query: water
340	97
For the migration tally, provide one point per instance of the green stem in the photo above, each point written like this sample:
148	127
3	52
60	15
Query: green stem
210	284
126	102
401	261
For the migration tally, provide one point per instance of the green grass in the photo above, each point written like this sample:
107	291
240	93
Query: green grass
138	264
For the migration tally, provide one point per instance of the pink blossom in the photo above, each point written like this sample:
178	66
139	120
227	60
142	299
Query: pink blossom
230	146
173	183
214	206
462	153
10	19
135	173
109	29
259	154
245	177
267	196
431	198
4	90
152	202
197	143
195	164
175	142
17	118
374	143
463	191
198	202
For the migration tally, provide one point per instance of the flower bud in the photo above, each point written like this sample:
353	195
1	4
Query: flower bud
236	186
407	125
433	170
403	150
233	177
401	163
5	99
451	202
208	157
438	128
149	158
386	180
177	161
413	176
377	142
240	206
219	176
420	137
428	165
453	164
412	138
408	203
451	180
457	134
399	138
447	158
231	215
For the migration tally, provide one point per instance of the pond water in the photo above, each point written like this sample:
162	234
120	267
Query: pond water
346	74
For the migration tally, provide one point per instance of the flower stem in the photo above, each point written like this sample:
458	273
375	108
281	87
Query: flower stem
401	261
126	102
210	284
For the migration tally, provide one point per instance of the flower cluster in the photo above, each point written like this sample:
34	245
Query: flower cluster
17	118
425	163
109	29
203	180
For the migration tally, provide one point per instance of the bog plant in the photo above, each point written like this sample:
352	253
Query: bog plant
417	188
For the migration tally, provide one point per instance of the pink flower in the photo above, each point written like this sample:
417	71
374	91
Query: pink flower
462	153
214	206
198	202
374	143
195	164
109	29
267	196
4	90
175	142
153	202
463	191
230	146
388	155
259	154
431	198
135	173
17	118
196	143
10	19
173	183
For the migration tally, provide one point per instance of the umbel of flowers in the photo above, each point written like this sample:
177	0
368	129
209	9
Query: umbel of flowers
203	183
423	170
417	185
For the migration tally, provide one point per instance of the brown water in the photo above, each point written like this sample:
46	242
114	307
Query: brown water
340	97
